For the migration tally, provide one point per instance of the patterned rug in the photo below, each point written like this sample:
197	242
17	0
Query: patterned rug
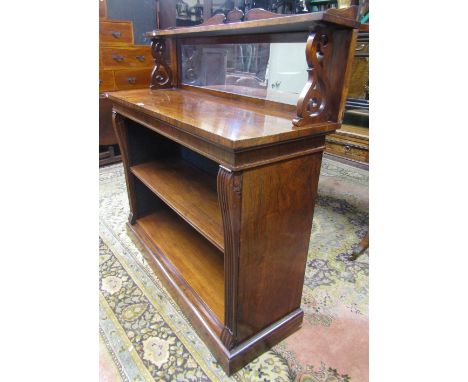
145	337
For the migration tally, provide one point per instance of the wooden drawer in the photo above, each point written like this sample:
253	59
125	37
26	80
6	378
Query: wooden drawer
106	80
126	57
115	32
350	149
132	78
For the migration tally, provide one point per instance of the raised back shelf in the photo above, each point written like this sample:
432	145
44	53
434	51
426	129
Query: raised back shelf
272	24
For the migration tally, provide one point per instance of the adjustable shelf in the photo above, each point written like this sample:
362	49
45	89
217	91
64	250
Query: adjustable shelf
188	191
222	186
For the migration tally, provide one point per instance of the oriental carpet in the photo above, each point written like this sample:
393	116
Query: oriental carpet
145	337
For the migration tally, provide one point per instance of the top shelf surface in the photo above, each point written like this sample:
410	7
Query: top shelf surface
232	123
293	23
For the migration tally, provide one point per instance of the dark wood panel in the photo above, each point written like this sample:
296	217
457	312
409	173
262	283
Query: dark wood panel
276	219
106	132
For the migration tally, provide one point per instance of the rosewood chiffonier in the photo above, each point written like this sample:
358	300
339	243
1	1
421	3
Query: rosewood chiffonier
222	183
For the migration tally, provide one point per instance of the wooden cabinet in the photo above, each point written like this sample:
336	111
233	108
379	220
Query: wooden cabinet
222	186
122	65
351	142
119	62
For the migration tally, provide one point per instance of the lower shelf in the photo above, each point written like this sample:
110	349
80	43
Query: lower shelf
194	262
188	191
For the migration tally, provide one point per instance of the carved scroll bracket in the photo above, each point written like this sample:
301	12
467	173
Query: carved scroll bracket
161	76
230	200
313	104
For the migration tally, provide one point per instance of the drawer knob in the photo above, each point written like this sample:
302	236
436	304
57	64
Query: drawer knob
117	57
131	80
347	147
360	47
140	58
100	82
116	34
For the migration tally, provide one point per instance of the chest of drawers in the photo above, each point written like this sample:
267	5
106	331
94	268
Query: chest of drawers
122	66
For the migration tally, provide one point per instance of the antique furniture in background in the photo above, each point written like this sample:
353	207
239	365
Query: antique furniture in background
122	65
351	142
222	179
361	247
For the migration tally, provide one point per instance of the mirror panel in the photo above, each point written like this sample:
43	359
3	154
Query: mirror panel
272	71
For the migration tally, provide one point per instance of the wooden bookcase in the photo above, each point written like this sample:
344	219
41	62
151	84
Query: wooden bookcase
222	186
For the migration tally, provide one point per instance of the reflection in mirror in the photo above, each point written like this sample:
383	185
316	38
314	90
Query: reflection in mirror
188	12
276	71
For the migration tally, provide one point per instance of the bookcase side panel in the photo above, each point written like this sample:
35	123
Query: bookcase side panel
277	208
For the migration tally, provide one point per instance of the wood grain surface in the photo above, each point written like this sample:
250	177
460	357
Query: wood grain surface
228	122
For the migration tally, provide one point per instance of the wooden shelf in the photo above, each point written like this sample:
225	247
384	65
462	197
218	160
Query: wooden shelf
282	24
188	256
220	119
188	191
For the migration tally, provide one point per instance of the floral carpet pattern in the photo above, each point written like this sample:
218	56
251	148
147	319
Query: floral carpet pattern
145	337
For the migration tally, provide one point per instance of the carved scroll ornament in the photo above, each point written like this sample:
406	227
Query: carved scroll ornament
230	199
161	76
236	15
313	104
